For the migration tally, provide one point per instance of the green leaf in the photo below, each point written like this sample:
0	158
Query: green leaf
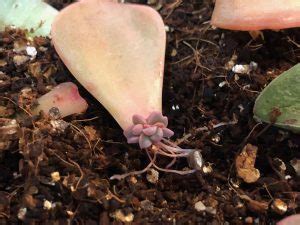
279	102
33	15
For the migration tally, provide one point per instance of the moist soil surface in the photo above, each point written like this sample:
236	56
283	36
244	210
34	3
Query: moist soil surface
56	171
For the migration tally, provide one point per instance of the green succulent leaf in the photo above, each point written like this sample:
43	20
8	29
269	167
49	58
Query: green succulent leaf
34	15
279	102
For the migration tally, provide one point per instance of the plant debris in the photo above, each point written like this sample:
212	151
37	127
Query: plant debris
245	164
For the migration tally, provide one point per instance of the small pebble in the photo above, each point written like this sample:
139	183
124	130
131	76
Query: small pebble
147	205
31	51
241	69
22	213
195	160
287	177
241	108
133	180
55	176
54	113
295	163
152	176
2	63
216	138
173	52
47	205
253	66
119	215
211	210
59	125
279	206
249	220
199	206
230	64
207	169
244	69
70	213
280	164
223	83
20	59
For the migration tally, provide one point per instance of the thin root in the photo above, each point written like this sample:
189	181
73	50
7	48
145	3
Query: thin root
122	176
170	150
180	172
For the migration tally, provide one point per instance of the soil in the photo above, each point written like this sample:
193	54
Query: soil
58	173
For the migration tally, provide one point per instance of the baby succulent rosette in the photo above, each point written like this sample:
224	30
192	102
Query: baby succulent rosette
148	131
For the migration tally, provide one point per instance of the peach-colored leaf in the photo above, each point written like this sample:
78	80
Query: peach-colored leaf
65	97
290	220
116	51
256	14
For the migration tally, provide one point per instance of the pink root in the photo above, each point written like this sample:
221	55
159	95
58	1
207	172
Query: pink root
168	151
180	172
123	176
151	135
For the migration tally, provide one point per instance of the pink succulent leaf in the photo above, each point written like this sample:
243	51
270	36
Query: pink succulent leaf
156	117
150	131
157	136
138	119
65	97
290	220
160	132
144	141
137	129
128	132
133	140
165	121
167	132
256	14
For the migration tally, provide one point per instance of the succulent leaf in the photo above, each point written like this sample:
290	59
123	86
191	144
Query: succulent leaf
34	15
279	102
256	14
116	51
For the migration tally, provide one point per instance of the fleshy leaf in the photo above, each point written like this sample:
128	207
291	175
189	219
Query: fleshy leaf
157	117
279	102
133	140
138	119
144	141
167	132
150	130
27	14
137	129
290	220
157	136
116	51
65	97
256	14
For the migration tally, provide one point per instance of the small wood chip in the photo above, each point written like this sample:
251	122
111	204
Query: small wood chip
20	59
2	63
245	164
279	206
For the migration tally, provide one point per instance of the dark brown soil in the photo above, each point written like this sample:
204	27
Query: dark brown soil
88	149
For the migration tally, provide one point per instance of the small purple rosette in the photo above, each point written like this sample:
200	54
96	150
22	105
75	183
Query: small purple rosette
148	131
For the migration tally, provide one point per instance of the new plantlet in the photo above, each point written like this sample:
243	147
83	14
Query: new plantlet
116	51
